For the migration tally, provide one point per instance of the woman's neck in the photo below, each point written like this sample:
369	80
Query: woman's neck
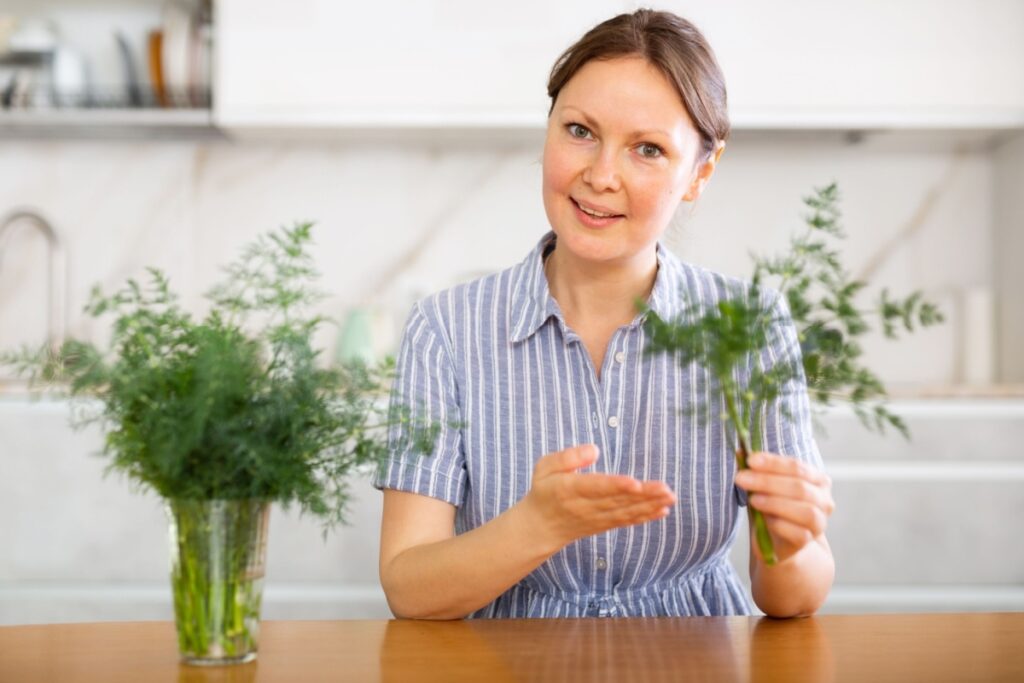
591	292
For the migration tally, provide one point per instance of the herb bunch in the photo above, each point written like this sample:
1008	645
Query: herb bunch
820	296
235	405
733	337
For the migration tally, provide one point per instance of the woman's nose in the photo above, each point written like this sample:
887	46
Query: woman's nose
602	172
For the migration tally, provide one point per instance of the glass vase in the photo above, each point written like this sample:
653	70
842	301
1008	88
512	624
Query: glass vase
218	551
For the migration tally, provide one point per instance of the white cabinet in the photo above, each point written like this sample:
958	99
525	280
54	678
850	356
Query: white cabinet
433	63
871	63
456	63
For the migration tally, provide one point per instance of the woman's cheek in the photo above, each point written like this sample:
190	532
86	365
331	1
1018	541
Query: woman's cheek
557	174
652	199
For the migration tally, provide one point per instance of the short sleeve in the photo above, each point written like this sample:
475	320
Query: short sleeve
425	385
787	427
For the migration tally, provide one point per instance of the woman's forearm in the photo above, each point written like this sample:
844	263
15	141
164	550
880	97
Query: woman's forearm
451	578
796	586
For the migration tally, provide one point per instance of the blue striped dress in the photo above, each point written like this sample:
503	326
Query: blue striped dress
496	358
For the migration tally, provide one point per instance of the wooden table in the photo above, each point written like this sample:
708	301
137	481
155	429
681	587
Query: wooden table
933	647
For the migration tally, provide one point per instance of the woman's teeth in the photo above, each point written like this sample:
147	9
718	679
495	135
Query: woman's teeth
595	214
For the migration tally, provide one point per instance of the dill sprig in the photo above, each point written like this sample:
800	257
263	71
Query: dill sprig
812	292
234	405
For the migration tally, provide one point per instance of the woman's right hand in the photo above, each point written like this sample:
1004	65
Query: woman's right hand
566	504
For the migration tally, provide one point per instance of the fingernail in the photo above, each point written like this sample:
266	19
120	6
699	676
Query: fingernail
756	459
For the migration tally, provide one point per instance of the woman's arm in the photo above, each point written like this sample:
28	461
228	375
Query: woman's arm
794	587
796	501
429	573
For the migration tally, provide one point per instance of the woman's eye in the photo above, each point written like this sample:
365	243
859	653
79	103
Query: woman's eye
578	131
649	151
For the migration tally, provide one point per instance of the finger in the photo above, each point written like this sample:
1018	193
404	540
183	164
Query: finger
782	464
793	534
623	490
657	488
809	517
606	485
568	460
598	516
626	501
785	486
641	513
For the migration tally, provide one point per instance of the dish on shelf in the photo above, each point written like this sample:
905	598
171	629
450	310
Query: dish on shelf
69	81
175	52
132	84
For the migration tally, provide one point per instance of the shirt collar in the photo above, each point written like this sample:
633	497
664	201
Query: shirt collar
532	303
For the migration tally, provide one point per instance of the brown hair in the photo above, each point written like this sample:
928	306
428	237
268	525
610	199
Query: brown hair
671	44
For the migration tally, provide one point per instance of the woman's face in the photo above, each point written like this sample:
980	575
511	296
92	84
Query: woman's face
619	158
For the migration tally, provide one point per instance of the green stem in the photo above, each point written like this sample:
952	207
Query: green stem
763	537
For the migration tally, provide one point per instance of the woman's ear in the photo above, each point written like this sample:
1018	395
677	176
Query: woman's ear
704	173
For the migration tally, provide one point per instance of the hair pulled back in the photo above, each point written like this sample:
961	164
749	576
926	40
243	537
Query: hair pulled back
671	44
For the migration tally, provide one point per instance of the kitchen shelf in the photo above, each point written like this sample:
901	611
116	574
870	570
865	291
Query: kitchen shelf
110	123
924	129
877	119
746	119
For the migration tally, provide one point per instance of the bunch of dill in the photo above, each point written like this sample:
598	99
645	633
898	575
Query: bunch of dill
233	405
812	292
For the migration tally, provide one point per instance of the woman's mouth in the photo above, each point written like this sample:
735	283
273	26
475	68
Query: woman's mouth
592	217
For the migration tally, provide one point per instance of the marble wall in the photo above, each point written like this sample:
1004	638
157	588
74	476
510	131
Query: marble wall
397	219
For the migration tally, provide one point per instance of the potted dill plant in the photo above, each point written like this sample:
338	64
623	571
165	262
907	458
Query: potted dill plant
220	417
732	337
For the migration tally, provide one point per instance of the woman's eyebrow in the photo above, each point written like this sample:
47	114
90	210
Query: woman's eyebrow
592	124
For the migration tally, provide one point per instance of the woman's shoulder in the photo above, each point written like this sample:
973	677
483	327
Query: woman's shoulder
686	282
709	286
453	310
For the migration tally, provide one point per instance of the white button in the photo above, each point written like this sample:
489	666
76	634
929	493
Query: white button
620	357
601	564
613	421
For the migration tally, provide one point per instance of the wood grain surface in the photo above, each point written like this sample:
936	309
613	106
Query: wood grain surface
901	647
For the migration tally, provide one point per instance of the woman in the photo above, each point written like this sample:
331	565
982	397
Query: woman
567	480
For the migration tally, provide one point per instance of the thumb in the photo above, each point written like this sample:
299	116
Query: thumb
569	460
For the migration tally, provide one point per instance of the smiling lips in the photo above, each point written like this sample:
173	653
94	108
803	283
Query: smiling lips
594	216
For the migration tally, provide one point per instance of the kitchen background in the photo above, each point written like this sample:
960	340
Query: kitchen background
170	133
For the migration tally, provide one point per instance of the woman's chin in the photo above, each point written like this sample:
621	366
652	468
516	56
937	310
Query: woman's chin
589	245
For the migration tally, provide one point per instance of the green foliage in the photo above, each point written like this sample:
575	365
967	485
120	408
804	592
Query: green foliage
732	338
725	337
821	298
209	410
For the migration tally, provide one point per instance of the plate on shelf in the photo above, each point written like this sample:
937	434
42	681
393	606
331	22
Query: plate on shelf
199	64
132	84
175	51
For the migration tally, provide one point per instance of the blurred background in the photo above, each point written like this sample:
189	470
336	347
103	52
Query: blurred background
144	132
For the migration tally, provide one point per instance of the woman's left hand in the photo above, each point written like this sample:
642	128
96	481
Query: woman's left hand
795	498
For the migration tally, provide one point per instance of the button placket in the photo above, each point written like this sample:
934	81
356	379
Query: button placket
612	380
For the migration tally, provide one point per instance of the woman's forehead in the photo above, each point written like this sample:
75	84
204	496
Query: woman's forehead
628	93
